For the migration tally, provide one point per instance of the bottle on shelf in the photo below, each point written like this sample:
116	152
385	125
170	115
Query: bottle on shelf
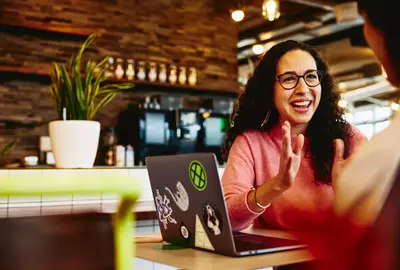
110	69
130	69
146	103
162	73
152	72
141	73
192	78
109	142
157	105
172	74
182	75
129	156
119	70
119	154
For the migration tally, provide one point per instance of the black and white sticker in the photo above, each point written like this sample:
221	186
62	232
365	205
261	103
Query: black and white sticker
180	197
212	218
163	209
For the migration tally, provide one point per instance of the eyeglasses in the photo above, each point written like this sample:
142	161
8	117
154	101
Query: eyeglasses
290	80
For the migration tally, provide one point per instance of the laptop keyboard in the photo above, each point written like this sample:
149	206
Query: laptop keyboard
247	242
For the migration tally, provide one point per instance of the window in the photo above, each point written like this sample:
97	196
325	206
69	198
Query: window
367	130
363	116
382	113
381	126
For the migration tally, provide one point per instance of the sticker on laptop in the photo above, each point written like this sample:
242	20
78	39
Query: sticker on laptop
197	175
180	197
212	218
201	239
185	232
163	209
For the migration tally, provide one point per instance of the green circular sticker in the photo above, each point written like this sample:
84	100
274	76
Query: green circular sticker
198	175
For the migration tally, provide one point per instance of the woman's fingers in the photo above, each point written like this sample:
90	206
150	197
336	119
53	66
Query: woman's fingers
299	144
286	141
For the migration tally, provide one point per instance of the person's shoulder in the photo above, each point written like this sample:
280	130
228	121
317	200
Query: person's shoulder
251	135
248	138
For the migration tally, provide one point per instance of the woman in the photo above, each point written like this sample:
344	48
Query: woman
280	145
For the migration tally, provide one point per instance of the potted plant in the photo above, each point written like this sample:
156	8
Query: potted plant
77	94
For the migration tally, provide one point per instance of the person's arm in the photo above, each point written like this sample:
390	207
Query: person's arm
265	194
239	179
289	164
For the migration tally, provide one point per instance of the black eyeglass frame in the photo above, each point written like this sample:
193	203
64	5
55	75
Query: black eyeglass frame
320	73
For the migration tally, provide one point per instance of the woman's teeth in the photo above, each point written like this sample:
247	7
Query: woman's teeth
301	104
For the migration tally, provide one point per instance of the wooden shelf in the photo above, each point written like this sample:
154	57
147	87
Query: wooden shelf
42	75
177	88
23	71
47	30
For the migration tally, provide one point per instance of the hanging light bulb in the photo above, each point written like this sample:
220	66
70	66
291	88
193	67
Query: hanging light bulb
237	15
270	9
395	106
258	49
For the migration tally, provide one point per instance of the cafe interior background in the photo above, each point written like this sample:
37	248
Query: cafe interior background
189	61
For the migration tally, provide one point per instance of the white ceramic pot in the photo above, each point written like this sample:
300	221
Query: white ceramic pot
74	142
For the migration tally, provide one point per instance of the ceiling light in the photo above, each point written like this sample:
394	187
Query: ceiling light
258	49
206	115
270	9
237	15
395	106
342	103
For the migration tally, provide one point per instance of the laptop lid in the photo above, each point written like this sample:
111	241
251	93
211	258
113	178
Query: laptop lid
192	211
189	200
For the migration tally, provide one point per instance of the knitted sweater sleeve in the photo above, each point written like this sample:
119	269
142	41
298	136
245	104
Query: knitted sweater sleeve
238	179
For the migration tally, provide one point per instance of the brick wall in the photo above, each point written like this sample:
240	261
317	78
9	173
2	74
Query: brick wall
183	32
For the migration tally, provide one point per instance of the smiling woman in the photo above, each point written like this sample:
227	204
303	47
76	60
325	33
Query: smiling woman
286	143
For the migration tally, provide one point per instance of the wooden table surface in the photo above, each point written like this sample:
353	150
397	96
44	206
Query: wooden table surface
190	258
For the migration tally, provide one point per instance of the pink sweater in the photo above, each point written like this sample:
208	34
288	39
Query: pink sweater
253	159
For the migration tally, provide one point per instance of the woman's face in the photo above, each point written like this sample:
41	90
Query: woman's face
299	104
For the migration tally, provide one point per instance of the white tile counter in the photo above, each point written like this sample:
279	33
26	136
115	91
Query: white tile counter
12	206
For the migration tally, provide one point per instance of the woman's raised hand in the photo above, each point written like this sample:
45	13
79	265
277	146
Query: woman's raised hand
290	157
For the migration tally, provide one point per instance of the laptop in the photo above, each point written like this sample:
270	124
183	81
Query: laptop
191	208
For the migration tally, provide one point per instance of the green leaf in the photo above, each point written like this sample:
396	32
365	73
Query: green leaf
54	93
67	95
77	93
103	102
89	75
80	108
11	145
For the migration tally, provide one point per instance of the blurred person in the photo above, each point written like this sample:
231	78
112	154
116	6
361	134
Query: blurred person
364	229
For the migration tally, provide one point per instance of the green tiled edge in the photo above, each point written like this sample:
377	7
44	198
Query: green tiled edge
95	182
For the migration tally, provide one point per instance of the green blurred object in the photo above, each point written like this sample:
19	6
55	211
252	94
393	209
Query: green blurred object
123	219
168	247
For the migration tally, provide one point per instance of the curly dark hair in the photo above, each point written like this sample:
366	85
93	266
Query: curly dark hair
326	124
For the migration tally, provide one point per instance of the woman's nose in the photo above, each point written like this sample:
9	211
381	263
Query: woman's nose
302	87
